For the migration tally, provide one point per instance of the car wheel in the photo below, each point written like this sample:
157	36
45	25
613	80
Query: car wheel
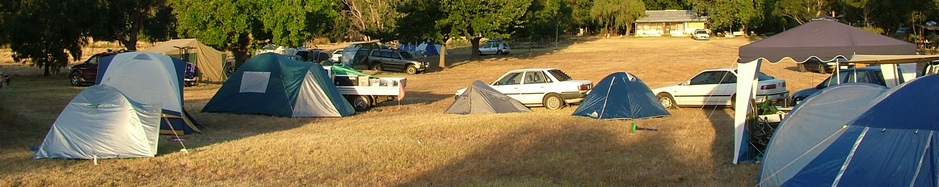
75	80
801	67
411	70
553	102
480	53
360	102
499	52
377	66
667	101
821	69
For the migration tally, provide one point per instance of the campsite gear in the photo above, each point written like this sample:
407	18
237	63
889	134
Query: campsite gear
150	78
874	137
620	95
101	122
207	59
821	38
480	98
428	48
632	128
272	84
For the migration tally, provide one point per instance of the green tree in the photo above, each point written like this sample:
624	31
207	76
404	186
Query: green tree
737	14
227	25
545	18
48	32
125	21
665	5
731	15
580	15
617	16
374	19
7	8
236	25
460	18
293	22
802	11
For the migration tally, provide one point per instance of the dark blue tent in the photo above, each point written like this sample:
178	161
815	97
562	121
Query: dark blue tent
891	144
620	96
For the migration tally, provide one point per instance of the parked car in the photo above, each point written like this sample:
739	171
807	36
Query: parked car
337	54
701	34
718	87
315	55
816	65
389	59
357	53
548	87
495	48
86	72
870	74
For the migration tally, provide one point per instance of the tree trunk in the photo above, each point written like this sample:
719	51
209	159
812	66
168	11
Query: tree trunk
475	49
45	69
629	28
240	50
443	54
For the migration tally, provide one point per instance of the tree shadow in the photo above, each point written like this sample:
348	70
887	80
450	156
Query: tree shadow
419	97
26	127
570	155
463	55
722	120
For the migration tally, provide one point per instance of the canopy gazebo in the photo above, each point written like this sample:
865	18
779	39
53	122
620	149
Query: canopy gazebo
823	38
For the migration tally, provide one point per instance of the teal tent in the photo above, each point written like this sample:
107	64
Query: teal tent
273	84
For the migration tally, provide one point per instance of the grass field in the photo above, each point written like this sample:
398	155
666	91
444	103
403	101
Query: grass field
412	143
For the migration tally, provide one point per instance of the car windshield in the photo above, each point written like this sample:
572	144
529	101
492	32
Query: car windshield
701	32
560	75
874	77
762	76
406	55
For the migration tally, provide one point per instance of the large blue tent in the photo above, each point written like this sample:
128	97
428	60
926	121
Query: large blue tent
890	144
620	96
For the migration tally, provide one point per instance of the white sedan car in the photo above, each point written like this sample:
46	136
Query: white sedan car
548	87
495	48
718	87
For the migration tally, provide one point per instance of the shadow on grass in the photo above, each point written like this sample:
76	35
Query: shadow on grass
570	155
724	141
28	110
723	124
463	55
421	97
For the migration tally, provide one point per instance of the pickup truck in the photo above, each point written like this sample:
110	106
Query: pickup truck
389	59
548	87
365	91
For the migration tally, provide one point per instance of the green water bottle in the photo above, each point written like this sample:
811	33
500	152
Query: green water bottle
632	128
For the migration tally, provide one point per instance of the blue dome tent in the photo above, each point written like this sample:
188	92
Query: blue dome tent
620	96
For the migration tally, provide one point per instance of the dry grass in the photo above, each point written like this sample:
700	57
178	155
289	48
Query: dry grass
413	143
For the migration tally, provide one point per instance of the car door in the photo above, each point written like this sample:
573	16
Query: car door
702	89
533	88
486	49
395	60
725	89
90	69
509	84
